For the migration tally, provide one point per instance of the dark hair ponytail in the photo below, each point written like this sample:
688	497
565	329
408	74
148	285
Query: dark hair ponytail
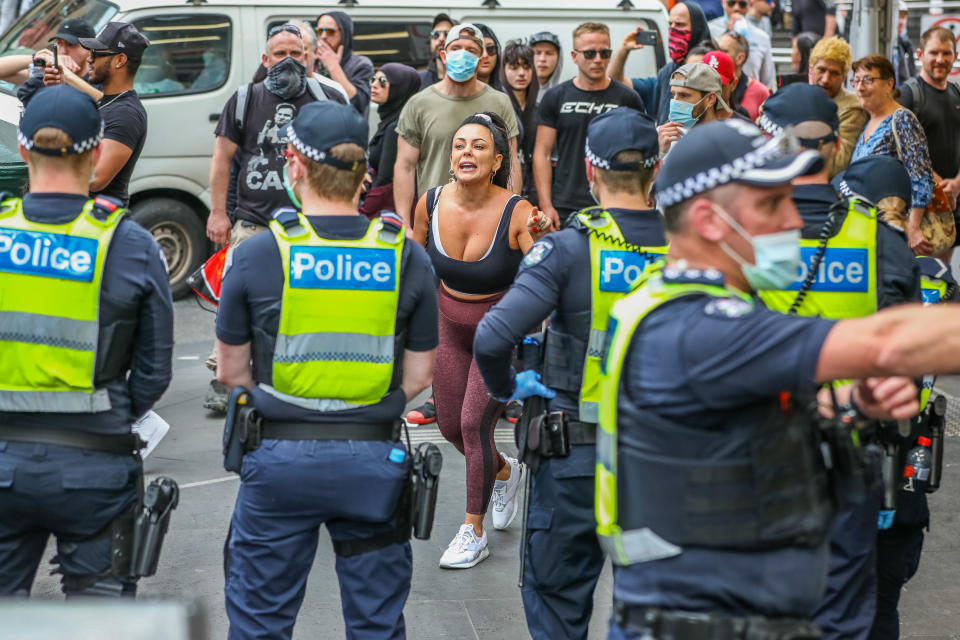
501	145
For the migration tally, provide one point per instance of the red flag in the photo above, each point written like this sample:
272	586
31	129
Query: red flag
206	280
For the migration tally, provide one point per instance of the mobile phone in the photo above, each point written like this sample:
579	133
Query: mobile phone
56	56
646	37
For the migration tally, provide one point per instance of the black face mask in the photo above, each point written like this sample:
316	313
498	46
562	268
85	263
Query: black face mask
286	79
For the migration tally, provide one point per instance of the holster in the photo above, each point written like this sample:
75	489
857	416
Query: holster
530	354
242	429
137	535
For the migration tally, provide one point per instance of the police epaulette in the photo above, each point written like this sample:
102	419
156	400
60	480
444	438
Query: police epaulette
709	276
287	217
105	206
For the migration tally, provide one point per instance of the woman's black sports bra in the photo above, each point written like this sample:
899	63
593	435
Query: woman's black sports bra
492	273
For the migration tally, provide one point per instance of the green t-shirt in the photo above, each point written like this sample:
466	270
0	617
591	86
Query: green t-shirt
429	120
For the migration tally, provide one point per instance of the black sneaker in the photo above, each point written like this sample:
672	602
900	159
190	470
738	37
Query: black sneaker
514	411
424	414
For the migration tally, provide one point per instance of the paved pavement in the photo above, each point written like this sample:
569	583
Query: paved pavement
483	602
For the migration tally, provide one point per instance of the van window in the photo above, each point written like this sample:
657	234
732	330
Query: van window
187	54
404	42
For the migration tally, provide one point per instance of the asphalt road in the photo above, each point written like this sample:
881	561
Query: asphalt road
483	602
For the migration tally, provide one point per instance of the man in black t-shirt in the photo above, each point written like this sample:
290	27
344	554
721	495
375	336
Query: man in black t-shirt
565	112
936	103
115	56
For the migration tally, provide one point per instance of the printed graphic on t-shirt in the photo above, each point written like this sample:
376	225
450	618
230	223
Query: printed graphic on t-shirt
262	173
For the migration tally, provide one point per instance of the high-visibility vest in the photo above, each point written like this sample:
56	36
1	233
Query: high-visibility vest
846	281
50	278
336	340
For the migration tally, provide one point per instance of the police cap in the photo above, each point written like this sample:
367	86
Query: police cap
320	126
807	109
716	153
622	129
67	109
874	178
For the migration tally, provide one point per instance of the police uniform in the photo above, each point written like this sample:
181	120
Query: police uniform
328	304
711	495
862	265
573	276
86	324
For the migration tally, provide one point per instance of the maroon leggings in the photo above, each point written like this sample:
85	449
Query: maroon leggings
466	414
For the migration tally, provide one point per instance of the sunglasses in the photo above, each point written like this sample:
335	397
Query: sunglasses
289	28
737	3
382	80
104	54
590	54
491	49
437	34
327	31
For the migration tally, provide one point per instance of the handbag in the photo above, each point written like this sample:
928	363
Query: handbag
937	225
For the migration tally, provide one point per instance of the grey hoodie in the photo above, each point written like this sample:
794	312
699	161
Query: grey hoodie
554	78
358	69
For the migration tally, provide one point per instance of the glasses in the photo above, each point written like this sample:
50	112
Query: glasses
327	31
590	54
491	49
737	3
866	81
437	34
104	54
289	28
382	80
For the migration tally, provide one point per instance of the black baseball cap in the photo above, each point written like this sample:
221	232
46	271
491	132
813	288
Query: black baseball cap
442	17
320	126
732	150
70	31
622	129
874	178
121	37
545	36
806	109
67	109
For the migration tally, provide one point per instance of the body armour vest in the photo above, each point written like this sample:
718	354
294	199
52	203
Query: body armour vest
335	348
649	504
570	364
50	277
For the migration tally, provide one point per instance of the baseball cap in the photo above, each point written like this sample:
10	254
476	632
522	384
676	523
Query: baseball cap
807	109
732	150
121	37
699	77
320	126
874	178
72	30
465	31
67	109
622	129
722	64
545	36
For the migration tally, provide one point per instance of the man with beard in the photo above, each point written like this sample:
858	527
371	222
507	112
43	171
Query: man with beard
442	23
250	126
339	62
115	56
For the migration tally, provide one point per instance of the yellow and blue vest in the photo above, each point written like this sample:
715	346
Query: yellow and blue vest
50	279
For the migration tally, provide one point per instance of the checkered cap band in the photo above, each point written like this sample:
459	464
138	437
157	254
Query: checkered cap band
599	162
80	146
316	154
769	126
717	176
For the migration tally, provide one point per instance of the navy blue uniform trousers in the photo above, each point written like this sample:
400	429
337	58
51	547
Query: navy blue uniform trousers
288	489
70	493
563	556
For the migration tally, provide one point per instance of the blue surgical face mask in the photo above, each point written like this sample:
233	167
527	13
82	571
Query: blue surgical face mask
461	65
289	187
682	112
776	256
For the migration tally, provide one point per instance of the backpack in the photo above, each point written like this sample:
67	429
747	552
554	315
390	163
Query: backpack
917	94
243	94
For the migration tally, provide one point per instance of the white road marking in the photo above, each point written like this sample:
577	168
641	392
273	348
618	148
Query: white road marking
188	357
212	481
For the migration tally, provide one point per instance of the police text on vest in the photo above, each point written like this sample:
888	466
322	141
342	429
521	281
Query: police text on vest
49	255
342	268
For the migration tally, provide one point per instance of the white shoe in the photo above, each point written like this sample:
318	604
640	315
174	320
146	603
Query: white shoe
151	428
505	499
465	550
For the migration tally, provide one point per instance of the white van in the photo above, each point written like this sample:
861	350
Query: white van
202	50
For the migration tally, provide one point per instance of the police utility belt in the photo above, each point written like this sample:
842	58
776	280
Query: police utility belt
654	623
550	435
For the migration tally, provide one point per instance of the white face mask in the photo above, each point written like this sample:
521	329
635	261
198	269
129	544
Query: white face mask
776	255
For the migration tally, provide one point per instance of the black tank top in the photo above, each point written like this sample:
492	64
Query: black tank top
492	273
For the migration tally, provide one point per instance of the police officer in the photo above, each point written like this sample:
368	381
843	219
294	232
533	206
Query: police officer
339	315
573	277
860	264
711	498
86	321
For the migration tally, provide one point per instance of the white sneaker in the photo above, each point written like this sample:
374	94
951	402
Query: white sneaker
151	428
465	550
504	498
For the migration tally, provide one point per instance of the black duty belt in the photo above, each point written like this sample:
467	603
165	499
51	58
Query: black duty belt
279	430
686	625
121	443
582	432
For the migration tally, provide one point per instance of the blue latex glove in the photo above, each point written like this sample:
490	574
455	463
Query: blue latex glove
885	521
528	384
